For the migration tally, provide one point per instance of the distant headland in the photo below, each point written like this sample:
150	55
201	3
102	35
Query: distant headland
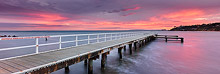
201	27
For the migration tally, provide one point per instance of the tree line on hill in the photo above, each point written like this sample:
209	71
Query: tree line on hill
202	27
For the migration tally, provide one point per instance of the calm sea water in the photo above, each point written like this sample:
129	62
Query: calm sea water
199	54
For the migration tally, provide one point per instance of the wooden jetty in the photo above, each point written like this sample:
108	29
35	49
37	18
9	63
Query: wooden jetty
166	37
47	62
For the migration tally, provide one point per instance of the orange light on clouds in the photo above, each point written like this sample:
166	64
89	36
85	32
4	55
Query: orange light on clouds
45	16
189	13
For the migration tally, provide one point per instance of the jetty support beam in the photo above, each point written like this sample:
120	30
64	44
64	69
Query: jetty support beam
135	45
67	69
120	53
103	60
146	41
85	62
125	48
90	66
182	40
166	39
139	44
130	48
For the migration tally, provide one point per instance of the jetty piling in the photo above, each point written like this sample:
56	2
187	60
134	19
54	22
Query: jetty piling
130	48
135	46
86	62
67	69
125	48
139	44
90	66
103	60
120	53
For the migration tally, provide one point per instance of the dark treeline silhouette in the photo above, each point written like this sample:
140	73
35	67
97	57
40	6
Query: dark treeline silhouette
202	27
8	36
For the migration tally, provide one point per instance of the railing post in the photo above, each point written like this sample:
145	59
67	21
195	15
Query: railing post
119	36
116	36
60	44
111	37
37	45
97	37
125	35
88	39
76	40
105	38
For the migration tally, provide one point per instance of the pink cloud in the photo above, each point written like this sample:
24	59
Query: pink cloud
128	9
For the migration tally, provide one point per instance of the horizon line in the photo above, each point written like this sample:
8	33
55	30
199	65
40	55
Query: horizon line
81	30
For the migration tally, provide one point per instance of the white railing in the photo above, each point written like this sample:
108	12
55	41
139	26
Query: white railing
107	37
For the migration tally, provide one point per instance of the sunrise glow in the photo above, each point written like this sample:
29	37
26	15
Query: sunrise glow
99	15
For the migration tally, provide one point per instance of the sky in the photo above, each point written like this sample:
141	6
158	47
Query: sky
105	14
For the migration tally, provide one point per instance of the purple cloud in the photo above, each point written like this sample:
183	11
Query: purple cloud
28	25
